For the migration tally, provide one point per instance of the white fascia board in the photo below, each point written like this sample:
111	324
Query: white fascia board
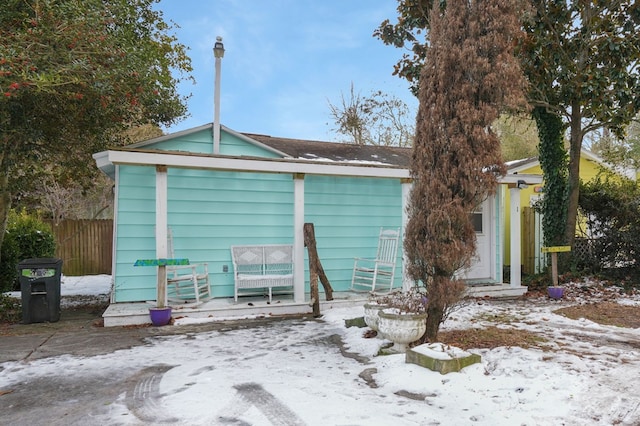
524	166
103	163
529	179
188	160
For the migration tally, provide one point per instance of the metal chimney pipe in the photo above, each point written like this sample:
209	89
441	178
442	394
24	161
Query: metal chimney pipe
218	53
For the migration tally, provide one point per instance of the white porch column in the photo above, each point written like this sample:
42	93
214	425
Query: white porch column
161	232
298	238
515	238
407	283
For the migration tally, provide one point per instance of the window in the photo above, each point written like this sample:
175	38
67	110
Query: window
476	220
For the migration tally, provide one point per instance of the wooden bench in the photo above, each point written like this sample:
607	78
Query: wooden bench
262	266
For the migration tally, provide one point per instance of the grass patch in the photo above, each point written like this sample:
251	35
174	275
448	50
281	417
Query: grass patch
605	313
491	337
498	318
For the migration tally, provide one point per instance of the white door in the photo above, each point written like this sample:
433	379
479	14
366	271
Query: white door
482	265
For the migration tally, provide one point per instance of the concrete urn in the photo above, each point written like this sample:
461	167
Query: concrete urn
371	311
401	328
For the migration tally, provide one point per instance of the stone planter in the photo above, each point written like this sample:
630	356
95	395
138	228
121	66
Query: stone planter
440	357
401	329
371	311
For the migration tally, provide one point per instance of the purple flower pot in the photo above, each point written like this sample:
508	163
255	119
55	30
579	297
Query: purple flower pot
555	292
160	316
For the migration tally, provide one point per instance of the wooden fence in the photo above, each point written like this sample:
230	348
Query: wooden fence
85	246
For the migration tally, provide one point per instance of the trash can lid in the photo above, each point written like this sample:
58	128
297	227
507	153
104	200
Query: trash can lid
40	262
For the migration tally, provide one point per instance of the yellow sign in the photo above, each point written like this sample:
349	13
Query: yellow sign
556	249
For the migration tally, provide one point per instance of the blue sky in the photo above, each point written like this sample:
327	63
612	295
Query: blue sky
284	61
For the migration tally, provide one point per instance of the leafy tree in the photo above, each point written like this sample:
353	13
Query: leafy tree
581	59
469	76
378	119
412	28
73	75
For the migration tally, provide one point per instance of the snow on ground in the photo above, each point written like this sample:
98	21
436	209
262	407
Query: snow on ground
292	372
88	285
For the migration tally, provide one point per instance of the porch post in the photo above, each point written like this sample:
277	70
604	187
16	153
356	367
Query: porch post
298	238
161	233
515	237
406	189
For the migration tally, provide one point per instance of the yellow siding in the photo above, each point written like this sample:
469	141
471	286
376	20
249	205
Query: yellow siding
588	170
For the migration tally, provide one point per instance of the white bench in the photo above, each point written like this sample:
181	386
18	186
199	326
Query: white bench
262	266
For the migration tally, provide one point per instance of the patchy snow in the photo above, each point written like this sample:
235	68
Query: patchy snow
293	372
440	351
88	285
365	162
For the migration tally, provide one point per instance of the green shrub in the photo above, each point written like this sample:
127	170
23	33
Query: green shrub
612	208
10	309
26	237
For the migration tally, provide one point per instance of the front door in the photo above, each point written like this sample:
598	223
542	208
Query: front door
482	265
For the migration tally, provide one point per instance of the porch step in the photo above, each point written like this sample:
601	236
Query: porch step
497	291
137	313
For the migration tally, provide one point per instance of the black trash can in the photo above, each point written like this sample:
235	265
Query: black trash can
40	288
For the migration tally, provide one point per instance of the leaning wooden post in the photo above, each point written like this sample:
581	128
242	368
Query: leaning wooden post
315	270
554	260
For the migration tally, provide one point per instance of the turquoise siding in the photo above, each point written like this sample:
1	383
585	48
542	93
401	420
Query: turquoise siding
197	142
202	142
208	212
347	214
135	234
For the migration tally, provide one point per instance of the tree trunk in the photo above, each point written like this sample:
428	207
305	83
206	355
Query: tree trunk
315	266
435	313
574	173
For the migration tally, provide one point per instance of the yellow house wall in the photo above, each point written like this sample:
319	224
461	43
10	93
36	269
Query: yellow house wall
588	170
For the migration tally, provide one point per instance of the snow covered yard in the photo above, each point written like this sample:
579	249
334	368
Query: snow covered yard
319	372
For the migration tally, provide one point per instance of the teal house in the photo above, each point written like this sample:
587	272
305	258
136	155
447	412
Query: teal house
254	189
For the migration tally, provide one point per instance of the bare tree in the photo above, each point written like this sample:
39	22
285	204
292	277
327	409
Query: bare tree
379	119
469	76
62	196
518	137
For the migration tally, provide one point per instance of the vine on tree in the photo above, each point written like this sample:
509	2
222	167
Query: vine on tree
553	161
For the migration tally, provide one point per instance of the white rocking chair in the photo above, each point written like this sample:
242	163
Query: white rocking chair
187	283
369	274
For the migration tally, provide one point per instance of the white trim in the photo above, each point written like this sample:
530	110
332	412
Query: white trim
114	235
256	143
529	179
274	165
188	160
406	191
515	237
584	153
161	232
298	239
168	137
187	132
